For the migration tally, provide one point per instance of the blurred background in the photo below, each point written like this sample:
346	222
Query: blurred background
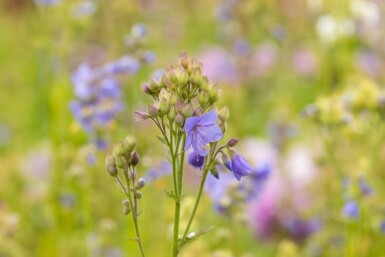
303	80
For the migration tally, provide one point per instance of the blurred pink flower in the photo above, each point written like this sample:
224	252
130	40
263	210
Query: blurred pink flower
304	62
263	59
219	66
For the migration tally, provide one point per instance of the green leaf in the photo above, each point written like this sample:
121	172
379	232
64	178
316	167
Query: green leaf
192	236
162	140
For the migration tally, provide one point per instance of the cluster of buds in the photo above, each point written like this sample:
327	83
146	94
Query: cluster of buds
122	162
174	93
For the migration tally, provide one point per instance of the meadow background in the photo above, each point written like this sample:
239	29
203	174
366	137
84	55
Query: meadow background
303	80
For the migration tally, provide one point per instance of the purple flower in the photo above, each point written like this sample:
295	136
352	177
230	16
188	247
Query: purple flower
163	169
47	2
81	79
351	209
382	227
301	229
239	166
201	131
195	160
365	188
125	64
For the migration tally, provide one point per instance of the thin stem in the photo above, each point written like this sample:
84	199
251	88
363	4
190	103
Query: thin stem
133	210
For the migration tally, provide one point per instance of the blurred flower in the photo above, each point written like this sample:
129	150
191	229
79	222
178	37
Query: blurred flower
47	2
239	166
367	11
201	131
369	63
382	226
263	59
241	47
364	187
351	209
139	30
163	169
329	28
125	64
195	160
149	57
301	229
304	62
85	8
219	66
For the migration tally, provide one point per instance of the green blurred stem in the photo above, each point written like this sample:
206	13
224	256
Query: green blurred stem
178	176
133	208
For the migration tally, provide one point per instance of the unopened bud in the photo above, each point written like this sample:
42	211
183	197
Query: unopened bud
134	158
203	98
138	195
120	162
111	166
129	143
222	125
125	202
153	111
225	159
213	93
163	106
183	60
205	83
179	120
232	142
166	81
141	183
171	74
187	110
139	116
171	114
126	210
119	149
181	77
224	114
198	112
196	77
154	86
173	98
146	89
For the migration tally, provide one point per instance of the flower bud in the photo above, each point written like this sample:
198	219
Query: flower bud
126	209
198	112
146	89
232	142
181	77
171	74
203	98
110	165
183	60
134	158
129	143
153	111
187	110
119	149
205	83
222	125
154	87
224	114
138	195
139	116
214	172
171	114
213	92
141	183
165	80
225	159
126	202
179	120
163	106
173	98
196	77
120	162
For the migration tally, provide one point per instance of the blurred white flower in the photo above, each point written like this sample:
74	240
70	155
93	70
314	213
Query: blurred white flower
330	28
366	11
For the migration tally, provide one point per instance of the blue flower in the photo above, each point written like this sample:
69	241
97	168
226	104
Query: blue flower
351	209
201	131
239	166
195	160
365	188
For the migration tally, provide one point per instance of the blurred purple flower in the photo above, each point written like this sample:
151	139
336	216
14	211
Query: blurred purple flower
351	209
220	66
369	63
149	57
139	30
263	59
125	64
239	166
301	229
85	8
82	81
365	188
304	62
201	131
241	47
164	169
195	160
382	227
47	2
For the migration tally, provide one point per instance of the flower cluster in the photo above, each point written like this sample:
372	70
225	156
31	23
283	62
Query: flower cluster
98	91
184	110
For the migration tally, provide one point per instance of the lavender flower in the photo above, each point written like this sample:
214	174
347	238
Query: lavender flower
125	64
301	229
239	166
351	209
365	188
163	169
195	160
47	2
382	227
201	131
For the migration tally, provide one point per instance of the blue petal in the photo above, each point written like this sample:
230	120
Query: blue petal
210	133
208	118
191	123
189	139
